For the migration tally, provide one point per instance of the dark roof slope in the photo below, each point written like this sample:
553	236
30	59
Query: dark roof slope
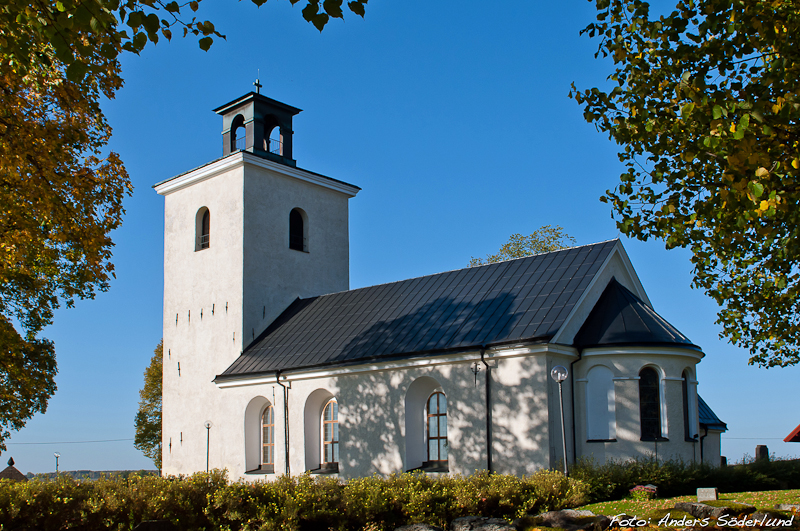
524	299
707	417
13	474
622	318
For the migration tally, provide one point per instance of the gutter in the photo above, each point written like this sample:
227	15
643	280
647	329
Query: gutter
285	419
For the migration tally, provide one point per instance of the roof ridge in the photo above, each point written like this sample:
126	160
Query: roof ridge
463	268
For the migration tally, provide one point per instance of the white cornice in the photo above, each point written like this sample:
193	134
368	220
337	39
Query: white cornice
442	359
239	159
643	351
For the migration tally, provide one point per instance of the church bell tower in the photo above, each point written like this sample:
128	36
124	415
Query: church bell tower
244	236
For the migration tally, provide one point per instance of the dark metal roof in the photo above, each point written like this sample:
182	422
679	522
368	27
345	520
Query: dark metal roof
527	299
260	98
622	318
707	417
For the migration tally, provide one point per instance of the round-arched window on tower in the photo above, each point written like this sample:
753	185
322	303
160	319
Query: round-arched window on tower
298	230
202	229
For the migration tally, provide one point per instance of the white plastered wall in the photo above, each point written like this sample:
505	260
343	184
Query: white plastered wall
202	313
247	270
625	364
372	417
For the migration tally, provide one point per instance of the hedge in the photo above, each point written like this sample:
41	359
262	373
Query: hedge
211	502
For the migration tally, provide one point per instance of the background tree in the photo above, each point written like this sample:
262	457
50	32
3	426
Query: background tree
544	239
60	193
148	417
706	110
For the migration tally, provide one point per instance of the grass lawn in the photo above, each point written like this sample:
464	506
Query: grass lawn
653	510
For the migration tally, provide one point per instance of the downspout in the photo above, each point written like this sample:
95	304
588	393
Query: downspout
572	399
488	413
701	443
285	419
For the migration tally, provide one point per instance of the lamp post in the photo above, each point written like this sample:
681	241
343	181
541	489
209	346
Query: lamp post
207	425
559	373
56	455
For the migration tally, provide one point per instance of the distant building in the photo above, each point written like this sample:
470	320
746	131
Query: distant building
12	473
273	365
794	436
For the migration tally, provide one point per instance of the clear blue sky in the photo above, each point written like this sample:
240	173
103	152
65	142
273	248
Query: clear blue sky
453	118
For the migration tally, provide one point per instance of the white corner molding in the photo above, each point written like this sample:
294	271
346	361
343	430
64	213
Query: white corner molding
242	158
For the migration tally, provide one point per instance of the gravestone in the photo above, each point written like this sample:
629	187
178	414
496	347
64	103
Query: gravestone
707	494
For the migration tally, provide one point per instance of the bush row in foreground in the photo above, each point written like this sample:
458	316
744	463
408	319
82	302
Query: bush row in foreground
210	501
613	480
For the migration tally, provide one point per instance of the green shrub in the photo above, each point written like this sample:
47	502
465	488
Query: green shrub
209	501
613	480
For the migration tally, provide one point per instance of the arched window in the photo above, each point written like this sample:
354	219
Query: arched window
601	419
689	406
259	436
330	433
298	239
238	133
268	437
202	229
437	429
649	404
275	140
416	424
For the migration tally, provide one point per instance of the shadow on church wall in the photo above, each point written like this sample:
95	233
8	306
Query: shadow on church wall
373	416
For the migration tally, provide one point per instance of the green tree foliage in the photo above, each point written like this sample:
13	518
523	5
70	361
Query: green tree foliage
60	193
704	104
543	240
59	200
148	417
84	34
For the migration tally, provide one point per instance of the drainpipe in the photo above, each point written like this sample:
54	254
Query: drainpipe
701	443
285	419
572	399
488	413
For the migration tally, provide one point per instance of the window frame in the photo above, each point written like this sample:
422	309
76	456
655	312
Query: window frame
333	442
650	418
202	229
268	432
298	236
438	416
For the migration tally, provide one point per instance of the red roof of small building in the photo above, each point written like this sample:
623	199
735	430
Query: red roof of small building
794	436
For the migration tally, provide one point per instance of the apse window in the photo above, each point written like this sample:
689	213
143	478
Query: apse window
649	404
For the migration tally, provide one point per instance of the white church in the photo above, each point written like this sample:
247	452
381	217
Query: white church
273	365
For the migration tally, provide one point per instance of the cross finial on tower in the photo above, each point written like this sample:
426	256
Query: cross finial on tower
258	86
